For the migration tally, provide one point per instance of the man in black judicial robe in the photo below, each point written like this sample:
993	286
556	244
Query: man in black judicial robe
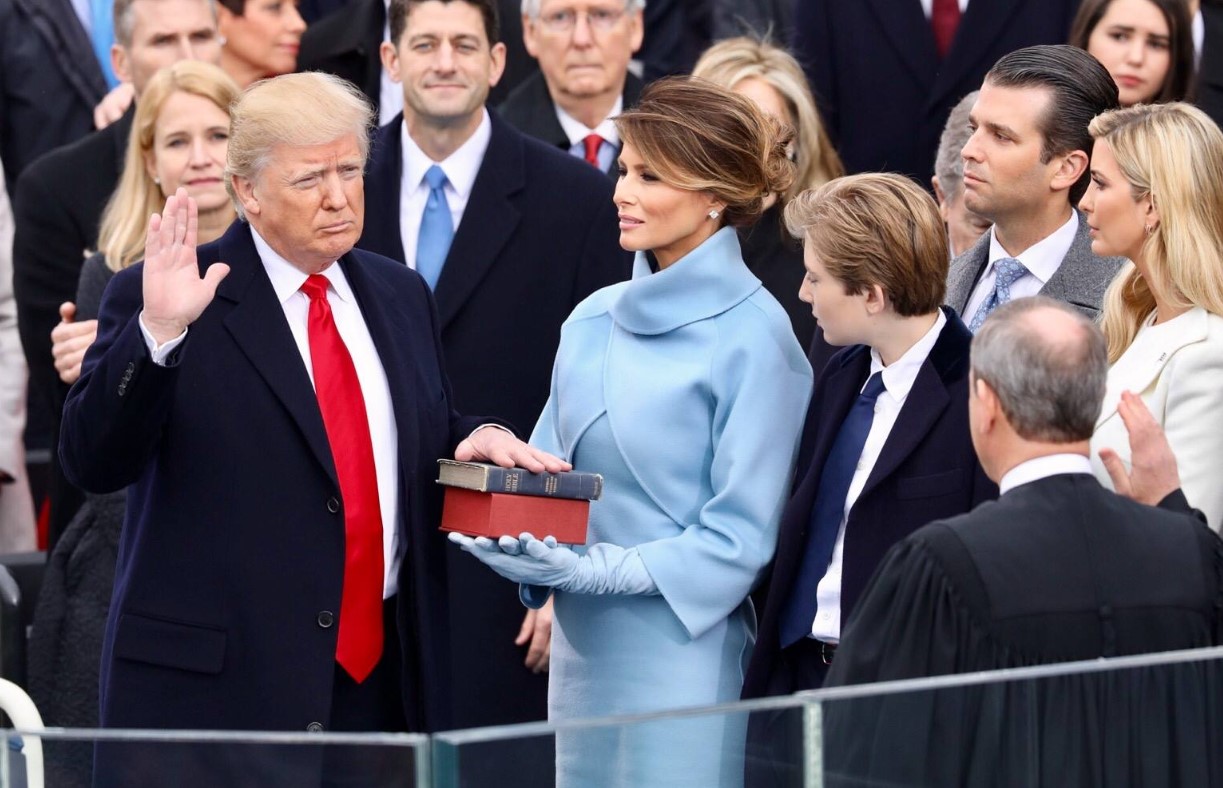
1057	569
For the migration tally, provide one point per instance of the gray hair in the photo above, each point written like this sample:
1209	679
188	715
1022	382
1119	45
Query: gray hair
309	108
530	8
948	165
125	20
1049	381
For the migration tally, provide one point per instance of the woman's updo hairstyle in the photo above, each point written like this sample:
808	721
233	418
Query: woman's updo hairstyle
698	136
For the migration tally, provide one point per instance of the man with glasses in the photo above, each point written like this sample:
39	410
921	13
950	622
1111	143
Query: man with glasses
583	48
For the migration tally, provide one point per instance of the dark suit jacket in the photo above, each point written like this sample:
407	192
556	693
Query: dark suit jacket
529	108
927	470
1080	280
233	542
538	235
878	80
1210	70
50	81
57	208
346	44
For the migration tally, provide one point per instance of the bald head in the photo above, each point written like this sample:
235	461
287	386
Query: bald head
1047	364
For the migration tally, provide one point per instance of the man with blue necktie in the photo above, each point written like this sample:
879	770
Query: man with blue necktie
886	447
510	235
1026	165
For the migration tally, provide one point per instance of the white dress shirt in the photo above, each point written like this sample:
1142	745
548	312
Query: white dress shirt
1042	259
287	280
461	168
1042	468
898	379
927	7
577	132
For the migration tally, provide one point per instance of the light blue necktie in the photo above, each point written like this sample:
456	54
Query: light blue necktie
436	229
1007	271
102	34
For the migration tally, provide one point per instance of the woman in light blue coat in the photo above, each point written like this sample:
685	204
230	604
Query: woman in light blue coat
686	389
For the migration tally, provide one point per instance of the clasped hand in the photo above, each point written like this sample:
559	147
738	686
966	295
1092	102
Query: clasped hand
525	560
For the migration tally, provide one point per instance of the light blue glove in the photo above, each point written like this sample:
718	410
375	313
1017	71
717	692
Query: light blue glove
605	569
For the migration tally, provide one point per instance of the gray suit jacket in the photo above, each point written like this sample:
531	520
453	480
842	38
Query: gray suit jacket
1080	280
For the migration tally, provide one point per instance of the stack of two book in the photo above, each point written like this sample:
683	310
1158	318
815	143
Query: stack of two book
487	500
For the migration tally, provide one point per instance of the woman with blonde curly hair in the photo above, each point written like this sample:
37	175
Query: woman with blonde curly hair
771	77
1155	196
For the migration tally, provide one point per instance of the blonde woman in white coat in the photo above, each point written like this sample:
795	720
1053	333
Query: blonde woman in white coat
1156	197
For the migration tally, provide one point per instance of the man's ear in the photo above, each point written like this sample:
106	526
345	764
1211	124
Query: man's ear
244	188
119	63
876	299
389	56
1070	167
529	34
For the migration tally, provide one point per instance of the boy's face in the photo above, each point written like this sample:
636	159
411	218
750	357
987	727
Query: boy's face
843	317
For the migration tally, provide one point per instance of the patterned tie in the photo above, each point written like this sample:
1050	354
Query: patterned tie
436	229
592	143
1006	272
799	612
102	34
944	18
359	642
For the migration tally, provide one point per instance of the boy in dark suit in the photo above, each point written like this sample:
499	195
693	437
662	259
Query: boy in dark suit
886	447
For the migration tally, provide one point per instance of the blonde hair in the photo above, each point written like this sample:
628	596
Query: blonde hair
734	60
699	136
1173	153
125	220
877	229
309	108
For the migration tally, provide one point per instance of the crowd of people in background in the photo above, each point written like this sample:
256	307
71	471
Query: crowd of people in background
853	305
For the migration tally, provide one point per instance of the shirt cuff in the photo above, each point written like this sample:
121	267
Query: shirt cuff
162	352
482	426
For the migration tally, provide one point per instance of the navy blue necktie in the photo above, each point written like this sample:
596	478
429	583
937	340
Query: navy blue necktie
436	229
799	612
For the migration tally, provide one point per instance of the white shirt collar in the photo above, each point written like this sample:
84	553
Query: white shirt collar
287	278
1042	468
899	376
577	131
461	167
1043	258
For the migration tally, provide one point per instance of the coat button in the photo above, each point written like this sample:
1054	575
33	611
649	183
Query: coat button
333	504
325	619
315	727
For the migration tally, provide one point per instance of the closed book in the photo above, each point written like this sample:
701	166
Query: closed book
501	514
519	481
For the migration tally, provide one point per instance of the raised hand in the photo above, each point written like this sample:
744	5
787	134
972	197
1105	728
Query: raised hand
174	293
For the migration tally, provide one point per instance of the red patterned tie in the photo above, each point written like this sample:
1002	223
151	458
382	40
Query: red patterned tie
359	644
944	18
592	143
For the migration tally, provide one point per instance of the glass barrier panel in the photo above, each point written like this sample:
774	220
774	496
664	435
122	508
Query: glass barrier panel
71	758
701	748
1152	720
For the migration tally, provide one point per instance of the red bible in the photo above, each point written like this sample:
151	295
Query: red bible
505	514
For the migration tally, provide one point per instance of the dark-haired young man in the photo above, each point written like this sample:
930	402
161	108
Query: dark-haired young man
1025	168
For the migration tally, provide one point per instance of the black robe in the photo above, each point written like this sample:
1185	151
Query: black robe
1056	570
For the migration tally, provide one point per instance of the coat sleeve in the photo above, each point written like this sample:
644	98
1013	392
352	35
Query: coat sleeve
1193	422
115	413
760	391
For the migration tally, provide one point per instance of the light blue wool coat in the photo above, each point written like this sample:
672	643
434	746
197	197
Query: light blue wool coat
687	390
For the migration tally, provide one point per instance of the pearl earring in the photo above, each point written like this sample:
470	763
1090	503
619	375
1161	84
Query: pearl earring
156	180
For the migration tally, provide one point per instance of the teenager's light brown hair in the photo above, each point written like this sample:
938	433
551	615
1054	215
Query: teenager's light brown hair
698	136
876	229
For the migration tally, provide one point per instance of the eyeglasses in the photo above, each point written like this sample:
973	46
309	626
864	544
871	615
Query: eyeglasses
563	21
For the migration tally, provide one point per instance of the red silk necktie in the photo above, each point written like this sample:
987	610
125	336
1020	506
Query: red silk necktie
944	18
359	642
592	143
